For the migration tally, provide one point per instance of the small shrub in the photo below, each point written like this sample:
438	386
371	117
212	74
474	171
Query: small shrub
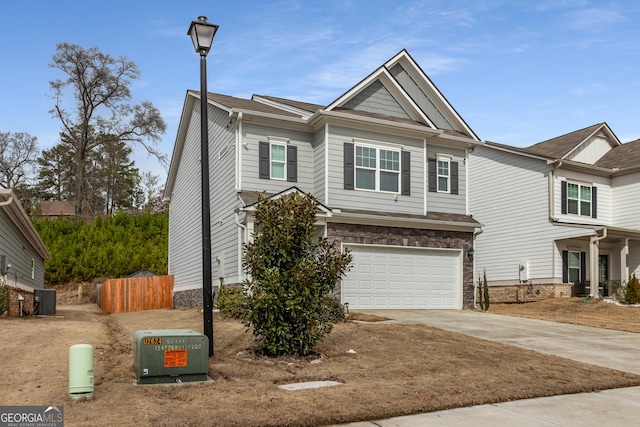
483	297
230	302
632	291
4	297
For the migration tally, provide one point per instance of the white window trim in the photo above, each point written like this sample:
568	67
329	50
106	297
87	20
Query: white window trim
447	159
579	268
579	199
377	168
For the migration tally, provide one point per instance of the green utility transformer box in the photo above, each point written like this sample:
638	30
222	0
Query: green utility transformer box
170	356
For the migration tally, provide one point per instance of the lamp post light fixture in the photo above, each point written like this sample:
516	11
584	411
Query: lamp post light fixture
202	33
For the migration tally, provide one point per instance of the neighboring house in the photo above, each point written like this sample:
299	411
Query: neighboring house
23	249
387	160
55	208
559	215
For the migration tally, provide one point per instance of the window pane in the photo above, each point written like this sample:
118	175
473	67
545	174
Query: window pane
443	168
585	208
443	184
585	193
277	152
366	157
572	191
574	259
574	275
389	160
365	179
277	170
389	181
572	206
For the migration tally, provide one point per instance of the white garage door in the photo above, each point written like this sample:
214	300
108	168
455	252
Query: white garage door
383	277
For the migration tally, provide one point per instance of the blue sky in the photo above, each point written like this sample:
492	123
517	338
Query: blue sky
518	72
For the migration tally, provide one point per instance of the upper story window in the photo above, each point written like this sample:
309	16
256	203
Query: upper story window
278	160
443	176
377	169
369	167
579	199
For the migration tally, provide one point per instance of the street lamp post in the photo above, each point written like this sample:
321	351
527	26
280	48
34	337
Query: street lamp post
202	33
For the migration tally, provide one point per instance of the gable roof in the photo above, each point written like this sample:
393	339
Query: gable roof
57	208
11	206
623	156
407	90
562	146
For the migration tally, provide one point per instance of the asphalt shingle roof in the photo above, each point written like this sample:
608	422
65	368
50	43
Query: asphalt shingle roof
560	146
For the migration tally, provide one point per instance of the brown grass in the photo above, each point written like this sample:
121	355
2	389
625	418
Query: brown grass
396	370
577	311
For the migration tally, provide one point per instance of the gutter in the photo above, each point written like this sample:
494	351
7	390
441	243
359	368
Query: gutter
7	202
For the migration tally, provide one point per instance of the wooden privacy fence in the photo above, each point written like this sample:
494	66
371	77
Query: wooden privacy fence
136	294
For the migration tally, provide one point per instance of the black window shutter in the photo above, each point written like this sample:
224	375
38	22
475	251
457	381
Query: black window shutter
594	202
349	171
433	181
263	159
405	173
583	270
565	266
292	163
454	177
563	196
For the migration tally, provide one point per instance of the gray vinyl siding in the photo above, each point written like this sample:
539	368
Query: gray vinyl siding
372	200
377	99
420	97
19	253
224	199
625	197
185	219
185	237
446	202
634	258
319	166
509	195
252	135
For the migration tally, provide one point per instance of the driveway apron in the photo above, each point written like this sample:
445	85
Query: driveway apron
601	347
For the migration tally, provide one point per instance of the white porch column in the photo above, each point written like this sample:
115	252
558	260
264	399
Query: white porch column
593	269
624	255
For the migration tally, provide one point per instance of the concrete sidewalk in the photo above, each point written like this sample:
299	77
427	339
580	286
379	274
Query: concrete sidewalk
618	407
601	347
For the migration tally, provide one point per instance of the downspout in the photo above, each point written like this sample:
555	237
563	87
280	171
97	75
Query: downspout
593	267
474	277
239	148
552	217
7	202
243	230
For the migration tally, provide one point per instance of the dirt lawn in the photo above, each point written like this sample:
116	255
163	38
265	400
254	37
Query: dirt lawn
396	370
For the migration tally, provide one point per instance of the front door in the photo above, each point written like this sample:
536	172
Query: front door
603	273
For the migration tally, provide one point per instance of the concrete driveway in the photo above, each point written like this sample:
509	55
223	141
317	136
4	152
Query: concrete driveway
601	347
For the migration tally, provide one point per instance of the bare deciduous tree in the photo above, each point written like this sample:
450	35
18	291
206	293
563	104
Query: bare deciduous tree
18	155
100	85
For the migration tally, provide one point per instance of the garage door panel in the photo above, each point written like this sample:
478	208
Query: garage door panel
392	277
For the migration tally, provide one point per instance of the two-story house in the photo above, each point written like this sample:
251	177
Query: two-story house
557	216
387	160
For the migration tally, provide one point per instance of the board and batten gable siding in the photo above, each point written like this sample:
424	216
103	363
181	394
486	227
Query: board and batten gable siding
509	195
625	190
592	151
603	198
252	135
319	154
423	101
448	202
19	252
376	99
375	200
